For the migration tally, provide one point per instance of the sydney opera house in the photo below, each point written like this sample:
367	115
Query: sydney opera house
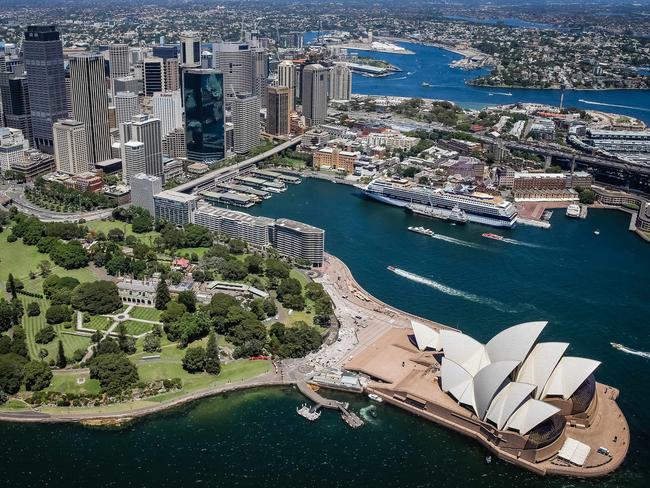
525	400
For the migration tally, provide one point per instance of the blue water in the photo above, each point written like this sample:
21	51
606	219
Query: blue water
431	65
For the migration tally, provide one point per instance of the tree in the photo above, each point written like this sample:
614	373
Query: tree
254	263
45	335
11	287
233	270
19	342
33	309
114	372
587	196
298	341
115	235
194	359
188	328
126	343
162	295
61	360
151	343
257	307
142	224
107	346
172	313
43	353
11	372
98	297
289	286
188	298
212	361
78	355
276	269
45	268
197	236
57	314
36	375
270	309
5	344
69	255
6	315
294	302
237	246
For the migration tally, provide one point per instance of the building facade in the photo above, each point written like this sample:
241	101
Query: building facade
12	146
43	55
127	105
203	95
90	103
168	108
278	110
340	82
314	94
246	123
119	61
300	241
175	207
287	77
143	188
71	147
145	129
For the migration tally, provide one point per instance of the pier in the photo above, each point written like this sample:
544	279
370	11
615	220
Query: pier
350	418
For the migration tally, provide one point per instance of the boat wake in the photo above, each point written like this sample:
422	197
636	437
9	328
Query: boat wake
521	243
634	352
458	242
490	302
400	78
369	414
590	102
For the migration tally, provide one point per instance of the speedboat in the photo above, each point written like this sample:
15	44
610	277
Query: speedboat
426	85
375	397
489	235
422	230
391	268
597	232
616	345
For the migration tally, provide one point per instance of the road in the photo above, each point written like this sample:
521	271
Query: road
209	177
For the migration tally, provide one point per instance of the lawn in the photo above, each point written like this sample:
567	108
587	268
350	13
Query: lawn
33	324
106	225
98	322
145	313
137	328
199	251
19	259
67	383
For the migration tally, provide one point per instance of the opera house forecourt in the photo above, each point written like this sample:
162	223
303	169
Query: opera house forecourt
525	400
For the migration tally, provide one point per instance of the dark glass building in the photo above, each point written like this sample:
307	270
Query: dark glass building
166	51
204	115
15	101
43	57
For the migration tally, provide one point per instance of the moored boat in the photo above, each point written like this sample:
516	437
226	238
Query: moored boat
489	235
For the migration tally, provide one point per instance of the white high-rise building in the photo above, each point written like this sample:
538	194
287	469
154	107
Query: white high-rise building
190	50
246	122
90	103
154	76
167	107
287	77
340	86
126	106
234	60
71	147
143	189
132	160
118	59
314	93
144	129
12	145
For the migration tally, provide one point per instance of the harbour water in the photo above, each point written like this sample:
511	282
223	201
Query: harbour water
592	289
431	65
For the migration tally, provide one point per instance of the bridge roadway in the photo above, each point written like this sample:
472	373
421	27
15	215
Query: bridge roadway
191	186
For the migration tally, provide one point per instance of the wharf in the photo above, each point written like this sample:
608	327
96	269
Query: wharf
350	418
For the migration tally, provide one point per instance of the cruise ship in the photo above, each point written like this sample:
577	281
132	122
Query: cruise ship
479	208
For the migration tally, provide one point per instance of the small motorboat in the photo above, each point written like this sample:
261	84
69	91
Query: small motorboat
375	397
597	232
489	235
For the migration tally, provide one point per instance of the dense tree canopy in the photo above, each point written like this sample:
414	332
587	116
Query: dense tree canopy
114	372
11	372
36	375
57	314
70	255
98	297
194	359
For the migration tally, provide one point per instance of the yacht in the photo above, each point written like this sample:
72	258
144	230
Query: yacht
573	211
375	397
422	230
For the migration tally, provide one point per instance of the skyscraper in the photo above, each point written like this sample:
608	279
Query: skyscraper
126	106
314	93
43	55
12	146
154	76
235	61
71	147
132	160
143	189
90	103
203	95
340	86
14	93
118	59
287	77
167	107
127	84
260	73
190	51
246	122
144	129
277	111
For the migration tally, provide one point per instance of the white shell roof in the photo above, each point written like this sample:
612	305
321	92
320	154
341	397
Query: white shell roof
425	336
514	343
540	363
529	415
464	350
509	399
453	378
569	374
487	383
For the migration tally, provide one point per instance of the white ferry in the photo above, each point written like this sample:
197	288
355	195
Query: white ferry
422	230
479	208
